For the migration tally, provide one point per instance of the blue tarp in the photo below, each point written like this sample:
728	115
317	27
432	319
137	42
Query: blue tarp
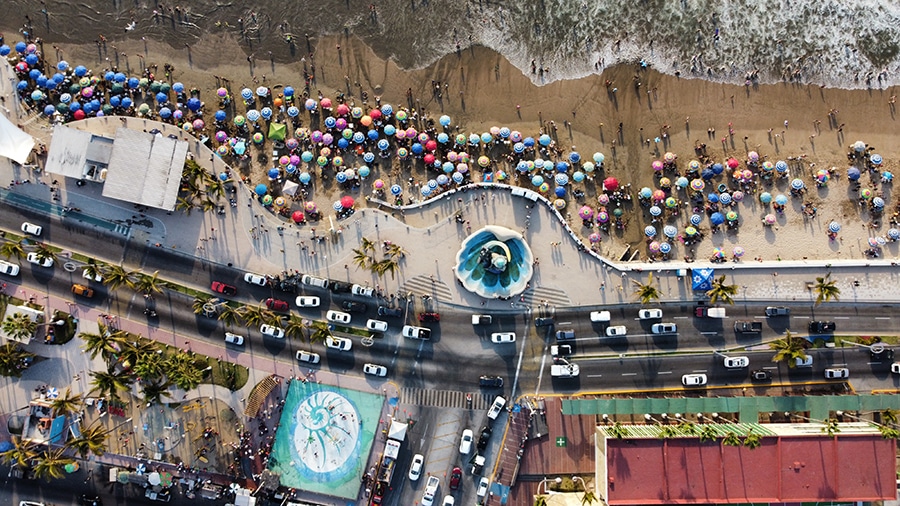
58	429
701	279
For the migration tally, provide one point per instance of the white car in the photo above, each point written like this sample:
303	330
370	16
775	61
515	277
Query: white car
33	258
308	357
338	343
234	339
806	361
375	370
496	407
431	488
365	291
837	373
307	301
413	332
31	228
8	268
693	380
600	316
895	368
465	444
377	325
482	489
271	331
255	279
415	469
650	314
737	362
503	337
337	316
448	500
664	328
86	274
616	331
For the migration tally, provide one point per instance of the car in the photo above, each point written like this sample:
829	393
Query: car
255	279
365	291
895	368
736	362
429	317
482	319
339	287
805	361
819	327
709	312
219	287
503	337
416	332
600	316
490	381
560	350
455	478
543	321
337	316
482	489
415	468
354	307
465	442
377	325
760	375
271	331
448	500
773	311
484	438
837	373
338	343
562	335
276	304
8	268
883	355
307	301
235	339
477	464
307	279
496	407
32	229
616	331
693	380
375	370
95	276
650	314
396	312
431	488
35	259
308	357
664	328
82	290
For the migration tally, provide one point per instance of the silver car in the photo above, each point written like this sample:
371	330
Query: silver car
308	357
337	316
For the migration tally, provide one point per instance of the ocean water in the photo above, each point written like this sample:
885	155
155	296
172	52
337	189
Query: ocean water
840	43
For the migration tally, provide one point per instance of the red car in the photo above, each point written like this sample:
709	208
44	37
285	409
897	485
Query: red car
276	304
219	287
429	317
455	478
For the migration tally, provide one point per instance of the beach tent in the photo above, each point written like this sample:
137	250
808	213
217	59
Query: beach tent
14	143
289	188
277	131
701	279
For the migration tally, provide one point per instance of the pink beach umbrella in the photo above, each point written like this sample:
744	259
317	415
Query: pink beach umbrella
594	238
586	212
657	165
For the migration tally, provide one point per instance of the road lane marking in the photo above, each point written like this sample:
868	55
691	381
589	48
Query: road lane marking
841	317
594	375
699	370
710	333
882	317
629	374
664	372
771	367
680	317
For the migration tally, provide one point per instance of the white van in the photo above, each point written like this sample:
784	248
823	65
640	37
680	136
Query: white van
365	291
314	281
564	370
600	316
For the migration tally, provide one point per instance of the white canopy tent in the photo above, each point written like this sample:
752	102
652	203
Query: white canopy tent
15	144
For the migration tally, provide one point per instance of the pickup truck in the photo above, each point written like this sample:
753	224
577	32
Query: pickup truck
481	319
564	370
747	327
709	312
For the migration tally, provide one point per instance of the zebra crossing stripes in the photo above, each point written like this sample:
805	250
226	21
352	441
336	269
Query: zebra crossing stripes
423	285
553	296
443	398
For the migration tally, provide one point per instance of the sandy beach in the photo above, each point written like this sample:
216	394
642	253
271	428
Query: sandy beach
481	89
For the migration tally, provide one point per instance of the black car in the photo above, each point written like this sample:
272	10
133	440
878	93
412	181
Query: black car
429	317
491	381
761	375
819	327
484	438
339	287
544	321
354	307
396	312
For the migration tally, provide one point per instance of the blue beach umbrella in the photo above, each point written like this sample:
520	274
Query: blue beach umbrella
574	157
266	113
444	120
781	200
696	219
390	130
261	189
765	197
834	227
220	115
368	157
306	156
383	144
304	177
650	231
396	189
544	140
443	138
253	115
457	177
717	218
246	93
293	111
560	191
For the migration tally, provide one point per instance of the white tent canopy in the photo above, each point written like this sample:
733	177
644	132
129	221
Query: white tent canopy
14	143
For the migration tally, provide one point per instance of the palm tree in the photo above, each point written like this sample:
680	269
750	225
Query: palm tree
184	371
105	344
252	316
384	266
396	251
149	366
647	293
361	259
789	348
148	285
294	327
91	441
115	276
366	245
192	170
826	289
67	403
10	249
43	252
22	452
206	205
831	428
320	332
13	359
732	439
51	464
108	383
707	433
134	352
185	205
229	315
215	188
752	440
19	327
92	270
154	391
721	291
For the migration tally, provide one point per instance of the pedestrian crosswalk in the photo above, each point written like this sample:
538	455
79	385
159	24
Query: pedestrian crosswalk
552	296
427	285
443	398
123	229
